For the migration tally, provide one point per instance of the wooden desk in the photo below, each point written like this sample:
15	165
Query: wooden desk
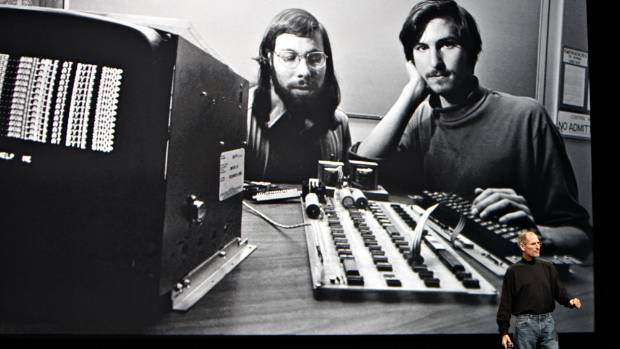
270	293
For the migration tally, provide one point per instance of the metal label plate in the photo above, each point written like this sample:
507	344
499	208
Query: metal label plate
231	173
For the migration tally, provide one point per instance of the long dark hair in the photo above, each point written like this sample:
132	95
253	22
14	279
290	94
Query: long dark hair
301	23
423	12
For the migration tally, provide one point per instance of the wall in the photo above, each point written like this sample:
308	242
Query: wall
568	27
575	35
367	54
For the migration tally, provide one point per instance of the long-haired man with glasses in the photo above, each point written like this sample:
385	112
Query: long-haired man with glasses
293	120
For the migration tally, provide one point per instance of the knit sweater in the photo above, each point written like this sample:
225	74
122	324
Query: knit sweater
493	140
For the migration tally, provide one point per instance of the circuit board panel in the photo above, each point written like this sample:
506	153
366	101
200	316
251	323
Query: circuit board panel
368	251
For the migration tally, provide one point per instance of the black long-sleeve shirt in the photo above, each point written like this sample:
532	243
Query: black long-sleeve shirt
530	287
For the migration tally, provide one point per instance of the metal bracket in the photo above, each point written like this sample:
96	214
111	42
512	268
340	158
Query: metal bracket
203	278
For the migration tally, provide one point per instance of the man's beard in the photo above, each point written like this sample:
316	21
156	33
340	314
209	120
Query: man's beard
307	104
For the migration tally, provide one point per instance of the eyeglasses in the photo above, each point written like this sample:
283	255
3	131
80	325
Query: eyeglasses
291	59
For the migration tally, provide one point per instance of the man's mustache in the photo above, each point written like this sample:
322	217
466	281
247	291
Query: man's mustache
306	84
437	73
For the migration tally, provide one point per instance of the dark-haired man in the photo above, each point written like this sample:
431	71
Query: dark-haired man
293	119
447	133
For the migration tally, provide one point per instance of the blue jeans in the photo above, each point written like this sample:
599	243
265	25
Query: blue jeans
536	331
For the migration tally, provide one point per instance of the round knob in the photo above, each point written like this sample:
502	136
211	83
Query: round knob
197	208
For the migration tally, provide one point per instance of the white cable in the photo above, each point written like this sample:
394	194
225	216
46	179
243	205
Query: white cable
262	215
416	244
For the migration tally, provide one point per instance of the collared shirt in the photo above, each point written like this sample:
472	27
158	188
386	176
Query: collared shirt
293	150
287	148
279	111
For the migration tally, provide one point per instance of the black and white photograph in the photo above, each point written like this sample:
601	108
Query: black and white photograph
416	169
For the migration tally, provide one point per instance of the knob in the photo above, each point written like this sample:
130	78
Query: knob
197	209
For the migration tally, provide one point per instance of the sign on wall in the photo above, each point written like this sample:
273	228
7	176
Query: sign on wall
574	100
574	124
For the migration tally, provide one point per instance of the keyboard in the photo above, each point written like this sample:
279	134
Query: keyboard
498	241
